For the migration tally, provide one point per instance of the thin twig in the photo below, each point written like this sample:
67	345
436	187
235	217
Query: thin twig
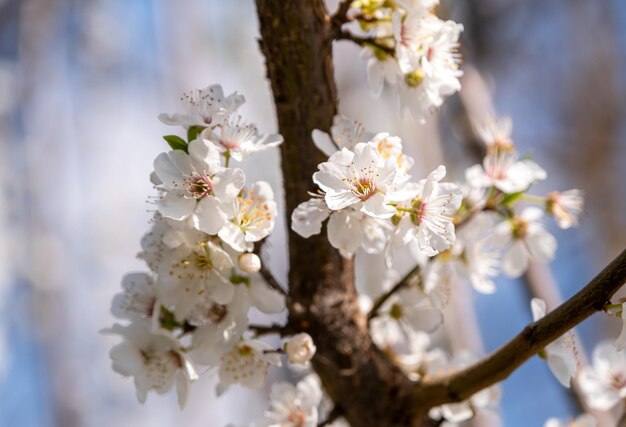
274	328
271	280
364	41
404	282
266	273
499	365
340	16
332	416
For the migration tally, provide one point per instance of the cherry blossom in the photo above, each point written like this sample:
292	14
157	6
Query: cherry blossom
247	364
238	140
250	217
153	359
523	239
292	406
196	187
604	383
204	107
565	207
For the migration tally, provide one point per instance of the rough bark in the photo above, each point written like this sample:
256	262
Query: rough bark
296	39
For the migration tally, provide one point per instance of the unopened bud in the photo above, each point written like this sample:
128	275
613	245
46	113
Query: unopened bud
300	349
249	263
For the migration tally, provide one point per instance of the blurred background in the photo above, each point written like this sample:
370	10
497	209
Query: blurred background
81	85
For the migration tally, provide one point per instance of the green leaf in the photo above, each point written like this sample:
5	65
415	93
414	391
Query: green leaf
192	132
176	142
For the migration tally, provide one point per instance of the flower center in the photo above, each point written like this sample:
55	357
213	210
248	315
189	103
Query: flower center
618	381
520	228
414	78
199	186
364	188
218	312
254	211
202	261
297	418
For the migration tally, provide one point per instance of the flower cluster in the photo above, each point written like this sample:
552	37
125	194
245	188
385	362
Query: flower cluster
410	48
468	231
192	307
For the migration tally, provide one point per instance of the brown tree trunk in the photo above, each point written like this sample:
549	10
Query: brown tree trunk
297	44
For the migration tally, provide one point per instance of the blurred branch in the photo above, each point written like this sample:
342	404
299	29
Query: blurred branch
340	16
500	364
403	283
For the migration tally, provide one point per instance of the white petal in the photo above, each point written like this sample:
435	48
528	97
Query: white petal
515	261
175	205
208	216
323	142
345	232
228	183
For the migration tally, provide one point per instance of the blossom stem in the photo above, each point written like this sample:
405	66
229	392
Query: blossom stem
533	199
365	41
613	307
332	416
404	282
274	328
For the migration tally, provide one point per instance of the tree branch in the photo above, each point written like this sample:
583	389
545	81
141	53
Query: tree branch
340	16
500	364
404	282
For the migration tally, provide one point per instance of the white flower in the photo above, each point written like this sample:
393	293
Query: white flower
344	133
426	49
620	342
218	326
559	355
204	107
247	364
495	132
565	207
390	148
292	406
250	217
350	229
300	349
361	178
153	359
190	274
381	68
249	262
307	218
480	260
524	239
239	140
428	218
604	383
196	186
584	420
138	299
502	170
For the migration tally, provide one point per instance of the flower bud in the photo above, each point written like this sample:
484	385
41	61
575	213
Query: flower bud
249	263
300	349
